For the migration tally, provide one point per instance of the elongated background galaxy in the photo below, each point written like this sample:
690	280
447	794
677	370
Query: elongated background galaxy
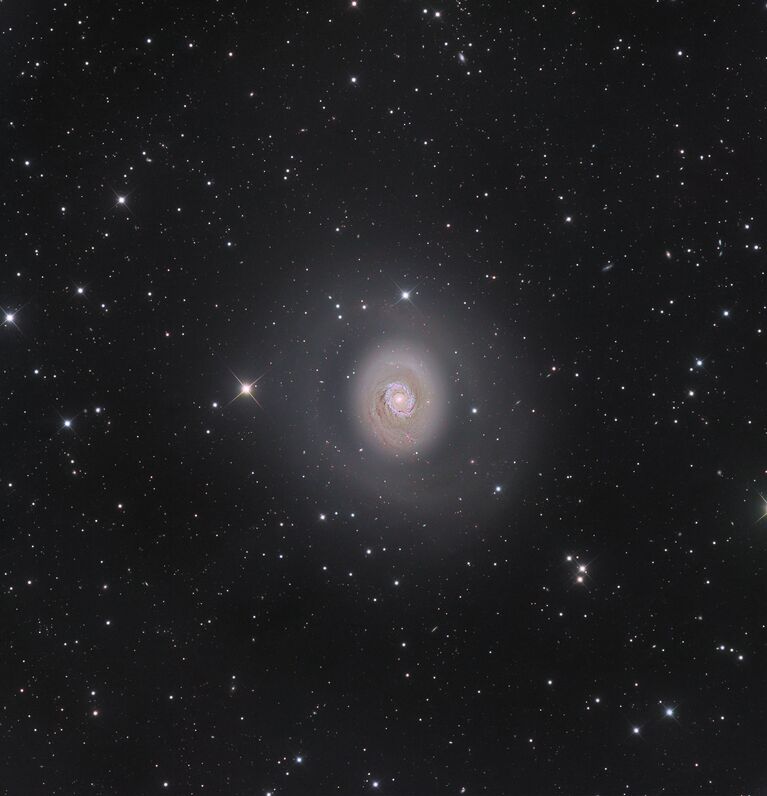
382	398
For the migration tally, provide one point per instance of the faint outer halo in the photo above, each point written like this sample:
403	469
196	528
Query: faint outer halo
399	399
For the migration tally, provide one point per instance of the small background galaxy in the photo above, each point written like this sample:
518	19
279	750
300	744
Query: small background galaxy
226	226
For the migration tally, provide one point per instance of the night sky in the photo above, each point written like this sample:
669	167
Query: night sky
382	398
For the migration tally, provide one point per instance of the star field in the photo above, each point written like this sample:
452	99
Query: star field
523	551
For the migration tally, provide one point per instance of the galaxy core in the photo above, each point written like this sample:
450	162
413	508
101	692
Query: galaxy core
399	399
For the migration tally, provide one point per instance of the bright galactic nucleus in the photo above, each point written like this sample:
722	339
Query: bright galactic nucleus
399	399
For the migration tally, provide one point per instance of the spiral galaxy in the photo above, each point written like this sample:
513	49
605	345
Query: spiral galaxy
399	400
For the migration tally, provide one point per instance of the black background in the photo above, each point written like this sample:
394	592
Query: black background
241	657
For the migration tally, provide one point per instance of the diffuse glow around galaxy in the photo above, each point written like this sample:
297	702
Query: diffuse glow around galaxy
401	406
